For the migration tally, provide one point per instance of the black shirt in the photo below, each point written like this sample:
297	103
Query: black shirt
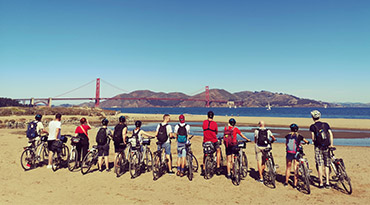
318	125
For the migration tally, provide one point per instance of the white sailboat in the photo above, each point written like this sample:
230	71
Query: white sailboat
268	106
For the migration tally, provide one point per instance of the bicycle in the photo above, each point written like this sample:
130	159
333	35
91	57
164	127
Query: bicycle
140	157
191	161
337	165
304	178
73	156
121	162
240	168
160	162
269	176
28	156
210	161
60	154
90	159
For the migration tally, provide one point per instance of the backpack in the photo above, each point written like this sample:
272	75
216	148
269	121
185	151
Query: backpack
162	133
291	143
32	130
117	134
262	138
229	139
136	137
182	134
102	137
209	125
322	137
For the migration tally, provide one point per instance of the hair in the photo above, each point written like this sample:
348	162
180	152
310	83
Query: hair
316	118
166	115
83	120
58	116
210	114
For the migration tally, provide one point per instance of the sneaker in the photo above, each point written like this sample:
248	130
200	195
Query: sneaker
171	172
327	186
321	186
182	174
259	180
294	186
108	170
228	176
202	173
285	184
178	173
218	171
49	167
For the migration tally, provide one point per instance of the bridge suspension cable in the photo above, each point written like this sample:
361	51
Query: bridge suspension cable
75	89
116	87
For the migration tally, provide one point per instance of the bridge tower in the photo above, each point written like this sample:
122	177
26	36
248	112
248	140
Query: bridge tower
207	96
97	94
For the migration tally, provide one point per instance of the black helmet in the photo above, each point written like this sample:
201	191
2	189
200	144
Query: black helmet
232	122
138	123
294	127
105	121
122	119
38	117
210	114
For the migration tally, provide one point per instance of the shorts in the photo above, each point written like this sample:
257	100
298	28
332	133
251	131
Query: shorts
103	150
50	145
291	156
181	151
259	152
216	145
322	157
119	147
231	150
166	146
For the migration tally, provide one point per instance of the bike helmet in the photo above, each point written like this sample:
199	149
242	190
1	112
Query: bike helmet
315	114
83	120
138	123
294	127
122	119
105	121
182	118
210	114
232	122
38	117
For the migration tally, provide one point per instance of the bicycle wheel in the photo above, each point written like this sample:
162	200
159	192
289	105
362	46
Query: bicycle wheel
72	160
27	159
87	162
344	179
118	168
270	173
189	162
194	163
55	162
304	177
44	154
134	165
148	160
64	155
244	168
236	172
208	172
156	165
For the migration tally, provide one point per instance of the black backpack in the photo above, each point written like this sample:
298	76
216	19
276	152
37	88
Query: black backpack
262	138
117	134
102	137
162	133
322	136
182	134
32	130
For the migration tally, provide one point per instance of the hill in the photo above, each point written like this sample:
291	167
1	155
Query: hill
246	99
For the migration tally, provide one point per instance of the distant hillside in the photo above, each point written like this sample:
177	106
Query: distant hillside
5	102
248	99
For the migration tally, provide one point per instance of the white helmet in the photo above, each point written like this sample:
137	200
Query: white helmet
315	114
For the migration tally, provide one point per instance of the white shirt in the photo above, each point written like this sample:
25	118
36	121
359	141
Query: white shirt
53	126
187	127
269	134
168	129
39	127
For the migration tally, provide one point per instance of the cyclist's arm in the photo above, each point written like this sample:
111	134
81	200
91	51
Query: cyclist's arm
124	134
146	134
44	131
57	131
243	136
331	138
306	141
255	136
313	136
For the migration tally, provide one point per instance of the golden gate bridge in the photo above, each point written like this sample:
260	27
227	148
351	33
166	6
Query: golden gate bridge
48	101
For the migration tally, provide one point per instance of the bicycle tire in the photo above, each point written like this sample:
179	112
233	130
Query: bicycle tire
236	172
304	176
190	166
208	171
27	159
156	166
55	162
134	165
194	163
72	160
118	163
148	160
344	179
271	173
64	155
87	162
45	154
244	169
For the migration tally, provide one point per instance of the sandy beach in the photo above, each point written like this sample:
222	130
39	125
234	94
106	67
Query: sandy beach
43	186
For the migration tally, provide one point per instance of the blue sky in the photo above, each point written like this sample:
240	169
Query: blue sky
311	49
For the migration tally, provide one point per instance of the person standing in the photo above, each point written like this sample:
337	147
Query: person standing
103	139
164	133
83	145
210	130
322	136
55	127
181	131
262	138
119	137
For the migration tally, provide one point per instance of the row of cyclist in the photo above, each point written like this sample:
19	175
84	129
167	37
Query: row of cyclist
321	135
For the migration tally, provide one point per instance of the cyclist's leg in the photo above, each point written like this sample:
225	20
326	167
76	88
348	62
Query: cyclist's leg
167	148
320	163
179	154
183	160
258	153
229	160
289	162
106	157
50	143
295	165
326	158
218	151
